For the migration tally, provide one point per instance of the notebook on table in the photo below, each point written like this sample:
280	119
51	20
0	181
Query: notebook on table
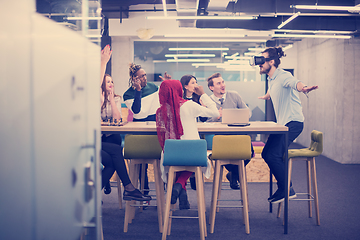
236	117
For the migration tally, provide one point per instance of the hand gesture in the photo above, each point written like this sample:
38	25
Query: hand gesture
266	96
199	90
106	54
111	95
307	89
136	83
220	111
166	77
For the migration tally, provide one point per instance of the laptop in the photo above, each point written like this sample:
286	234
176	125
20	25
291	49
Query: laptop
236	117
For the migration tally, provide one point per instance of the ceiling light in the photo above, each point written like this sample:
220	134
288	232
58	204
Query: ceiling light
295	15
256	49
164	7
309	36
189	60
199	49
204	35
189	55
84	18
252	53
287	47
202	17
204	64
202	40
237	58
315	31
333	8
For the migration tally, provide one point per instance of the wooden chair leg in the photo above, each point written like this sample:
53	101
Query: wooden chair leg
201	207
142	182
168	203
118	181
220	187
244	194
215	193
158	187
203	200
212	191
308	173
316	199
128	209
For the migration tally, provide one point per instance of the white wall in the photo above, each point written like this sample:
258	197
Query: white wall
334	108
122	56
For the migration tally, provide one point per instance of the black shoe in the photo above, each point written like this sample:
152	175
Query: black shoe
192	183
135	195
275	195
183	200
107	188
281	196
175	192
233	181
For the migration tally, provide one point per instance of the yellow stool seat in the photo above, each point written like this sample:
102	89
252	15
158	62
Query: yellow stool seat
144	149
308	154
230	149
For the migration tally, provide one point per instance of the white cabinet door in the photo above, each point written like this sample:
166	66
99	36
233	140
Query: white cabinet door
64	133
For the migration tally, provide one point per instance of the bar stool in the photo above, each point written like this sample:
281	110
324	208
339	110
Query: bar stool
233	149
142	149
185	155
308	154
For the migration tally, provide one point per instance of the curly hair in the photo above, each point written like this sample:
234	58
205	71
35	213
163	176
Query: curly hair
275	53
133	69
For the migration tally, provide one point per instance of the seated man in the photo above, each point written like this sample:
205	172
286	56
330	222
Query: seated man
226	99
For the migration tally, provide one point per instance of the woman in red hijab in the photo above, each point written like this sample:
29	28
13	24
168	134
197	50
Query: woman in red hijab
176	119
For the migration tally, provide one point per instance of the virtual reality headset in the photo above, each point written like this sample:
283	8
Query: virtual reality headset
258	60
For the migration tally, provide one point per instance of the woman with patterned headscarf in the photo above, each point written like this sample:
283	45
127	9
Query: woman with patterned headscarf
176	119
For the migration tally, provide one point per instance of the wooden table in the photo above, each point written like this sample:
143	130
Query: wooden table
217	128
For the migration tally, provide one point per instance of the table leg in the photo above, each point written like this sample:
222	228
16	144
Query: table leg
271	190
286	205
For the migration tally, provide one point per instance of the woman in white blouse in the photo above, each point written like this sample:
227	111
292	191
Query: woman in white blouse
176	119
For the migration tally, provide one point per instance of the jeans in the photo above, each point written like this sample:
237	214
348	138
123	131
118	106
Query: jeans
113	160
274	150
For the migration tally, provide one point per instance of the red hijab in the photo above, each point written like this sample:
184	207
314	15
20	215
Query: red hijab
168	122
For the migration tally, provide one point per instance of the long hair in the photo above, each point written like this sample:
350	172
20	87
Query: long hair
103	89
275	53
184	82
133	69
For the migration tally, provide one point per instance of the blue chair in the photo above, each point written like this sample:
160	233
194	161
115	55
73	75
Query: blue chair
185	155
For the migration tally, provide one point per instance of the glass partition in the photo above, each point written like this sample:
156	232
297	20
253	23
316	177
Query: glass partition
202	60
81	16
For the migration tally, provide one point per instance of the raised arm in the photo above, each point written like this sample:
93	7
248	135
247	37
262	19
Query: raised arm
105	57
208	109
301	87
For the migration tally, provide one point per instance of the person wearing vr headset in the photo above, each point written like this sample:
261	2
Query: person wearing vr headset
284	93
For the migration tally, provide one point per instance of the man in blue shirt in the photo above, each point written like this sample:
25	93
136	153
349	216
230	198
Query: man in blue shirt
284	93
